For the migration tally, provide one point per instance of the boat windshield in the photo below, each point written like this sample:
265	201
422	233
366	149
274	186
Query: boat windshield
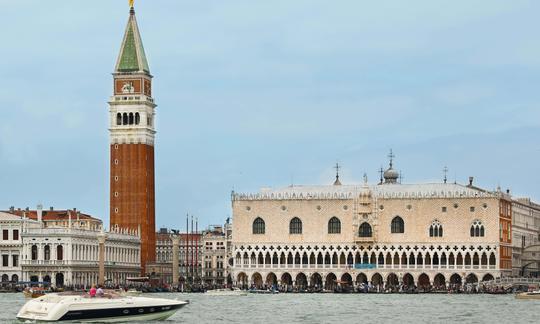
107	293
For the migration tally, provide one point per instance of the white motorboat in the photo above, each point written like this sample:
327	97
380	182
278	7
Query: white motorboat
263	291
529	295
226	292
109	308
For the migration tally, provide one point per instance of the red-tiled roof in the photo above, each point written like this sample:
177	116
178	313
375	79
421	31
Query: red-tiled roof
51	215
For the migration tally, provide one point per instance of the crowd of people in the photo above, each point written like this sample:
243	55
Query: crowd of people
469	288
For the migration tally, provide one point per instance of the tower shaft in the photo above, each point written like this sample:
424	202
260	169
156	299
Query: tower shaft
132	131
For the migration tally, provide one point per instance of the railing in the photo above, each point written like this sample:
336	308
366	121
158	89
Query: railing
372	266
74	262
364	239
78	231
514	281
44	262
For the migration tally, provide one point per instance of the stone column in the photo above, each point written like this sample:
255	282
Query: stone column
101	241
175	269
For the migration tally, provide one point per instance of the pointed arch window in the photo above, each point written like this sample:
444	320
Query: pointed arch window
365	230
295	226
477	229
436	229
334	226
397	225
258	226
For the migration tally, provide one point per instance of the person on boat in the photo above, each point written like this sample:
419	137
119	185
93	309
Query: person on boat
93	291
100	292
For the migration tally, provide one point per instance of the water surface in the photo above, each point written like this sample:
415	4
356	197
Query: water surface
336	308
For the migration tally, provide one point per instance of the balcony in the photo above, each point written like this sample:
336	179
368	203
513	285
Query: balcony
370	239
41	263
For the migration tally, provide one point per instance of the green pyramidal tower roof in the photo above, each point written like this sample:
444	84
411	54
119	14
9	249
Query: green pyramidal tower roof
132	57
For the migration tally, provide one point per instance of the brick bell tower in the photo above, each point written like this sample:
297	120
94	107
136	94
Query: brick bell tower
132	133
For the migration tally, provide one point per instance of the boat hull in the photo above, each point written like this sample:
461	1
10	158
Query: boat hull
528	296
122	314
54	308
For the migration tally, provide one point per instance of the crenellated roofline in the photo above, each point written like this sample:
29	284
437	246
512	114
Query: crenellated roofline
393	191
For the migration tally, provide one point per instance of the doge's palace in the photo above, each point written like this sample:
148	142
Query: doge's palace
426	234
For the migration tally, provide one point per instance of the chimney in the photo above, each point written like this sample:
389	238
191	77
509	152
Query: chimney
12	208
507	191
74	209
51	208
27	209
39	213
471	179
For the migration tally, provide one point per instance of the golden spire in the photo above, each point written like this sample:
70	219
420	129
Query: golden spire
131	3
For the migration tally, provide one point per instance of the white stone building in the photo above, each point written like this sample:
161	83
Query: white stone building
525	237
61	247
215	256
69	256
11	227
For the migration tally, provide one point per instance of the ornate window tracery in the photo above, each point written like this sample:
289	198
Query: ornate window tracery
258	226
334	226
477	229
436	229
295	226
364	230
397	225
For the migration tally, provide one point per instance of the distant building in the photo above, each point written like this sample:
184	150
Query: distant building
189	257
215	256
525	237
426	234
61	247
230	259
11	247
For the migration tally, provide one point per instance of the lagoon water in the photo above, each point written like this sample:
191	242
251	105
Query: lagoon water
336	308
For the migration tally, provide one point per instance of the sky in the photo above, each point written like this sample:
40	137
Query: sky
258	94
